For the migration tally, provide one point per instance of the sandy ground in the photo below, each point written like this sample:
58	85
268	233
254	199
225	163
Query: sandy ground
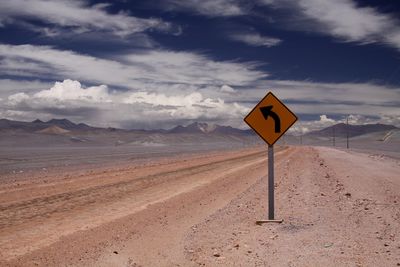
340	208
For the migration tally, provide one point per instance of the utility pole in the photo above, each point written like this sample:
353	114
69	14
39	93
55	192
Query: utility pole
333	133
347	132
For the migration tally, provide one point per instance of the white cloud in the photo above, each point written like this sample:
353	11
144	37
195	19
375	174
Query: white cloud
255	39
134	70
18	115
163	100
391	119
193	68
70	97
325	119
227	89
346	20
191	106
178	103
78	15
303	127
9	86
212	8
73	90
165	76
351	94
309	99
62	95
17	98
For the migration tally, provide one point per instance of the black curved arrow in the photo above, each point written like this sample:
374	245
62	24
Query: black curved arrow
267	111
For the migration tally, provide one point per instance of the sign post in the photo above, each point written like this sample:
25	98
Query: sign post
271	184
270	119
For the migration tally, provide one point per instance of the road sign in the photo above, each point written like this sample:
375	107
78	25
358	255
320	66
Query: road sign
270	119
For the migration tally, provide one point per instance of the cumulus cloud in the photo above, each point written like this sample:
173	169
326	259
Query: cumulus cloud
183	107
77	15
97	105
344	19
17	98
369	103
325	119
192	106
165	76
255	39
73	90
303	127
65	95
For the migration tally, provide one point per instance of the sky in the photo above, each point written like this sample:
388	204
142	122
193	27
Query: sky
156	64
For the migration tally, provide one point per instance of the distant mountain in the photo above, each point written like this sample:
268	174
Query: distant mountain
196	127
20	125
61	125
66	124
38	125
205	128
341	130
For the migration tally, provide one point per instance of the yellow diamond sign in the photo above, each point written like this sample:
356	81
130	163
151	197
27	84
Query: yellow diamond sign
270	119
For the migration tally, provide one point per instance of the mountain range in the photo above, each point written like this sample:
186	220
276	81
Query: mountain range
38	125
64	126
342	129
61	126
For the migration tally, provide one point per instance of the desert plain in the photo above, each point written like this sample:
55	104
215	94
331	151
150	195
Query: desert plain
68	203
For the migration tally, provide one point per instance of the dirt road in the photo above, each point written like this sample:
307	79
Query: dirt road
339	209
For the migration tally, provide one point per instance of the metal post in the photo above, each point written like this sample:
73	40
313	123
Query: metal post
271	187
271	183
347	132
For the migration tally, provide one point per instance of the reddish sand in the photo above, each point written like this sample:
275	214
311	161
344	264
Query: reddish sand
339	208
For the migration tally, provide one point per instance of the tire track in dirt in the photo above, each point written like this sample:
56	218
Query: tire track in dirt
15	213
23	224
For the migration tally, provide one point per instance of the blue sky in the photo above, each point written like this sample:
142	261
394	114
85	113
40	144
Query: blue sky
156	64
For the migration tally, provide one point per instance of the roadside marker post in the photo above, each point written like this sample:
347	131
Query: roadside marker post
270	119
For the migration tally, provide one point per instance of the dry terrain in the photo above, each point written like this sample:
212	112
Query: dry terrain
340	208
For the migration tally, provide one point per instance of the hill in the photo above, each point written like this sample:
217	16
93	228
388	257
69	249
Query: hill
53	130
38	125
341	130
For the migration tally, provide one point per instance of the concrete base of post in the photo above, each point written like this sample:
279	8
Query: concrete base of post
259	222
